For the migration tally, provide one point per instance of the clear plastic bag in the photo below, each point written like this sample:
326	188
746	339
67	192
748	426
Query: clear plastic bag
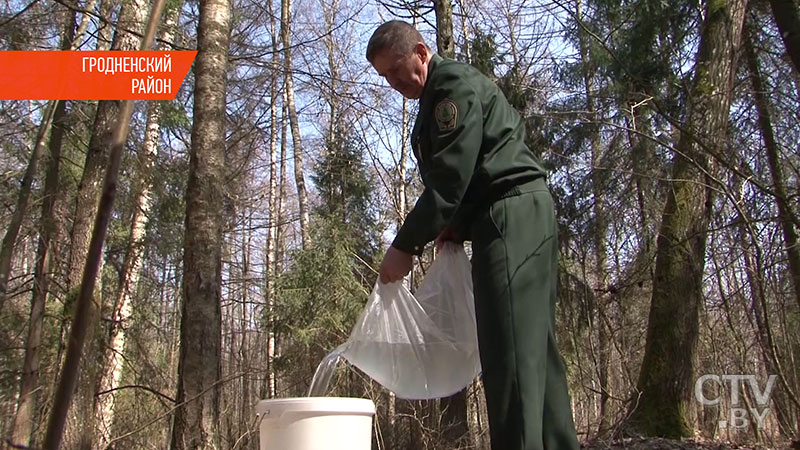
420	346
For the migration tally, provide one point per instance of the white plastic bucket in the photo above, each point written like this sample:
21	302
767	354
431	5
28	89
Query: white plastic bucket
315	423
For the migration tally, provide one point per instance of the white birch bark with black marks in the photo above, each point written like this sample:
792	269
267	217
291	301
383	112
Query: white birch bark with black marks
297	145
273	205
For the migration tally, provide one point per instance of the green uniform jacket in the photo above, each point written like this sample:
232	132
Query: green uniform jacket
470	149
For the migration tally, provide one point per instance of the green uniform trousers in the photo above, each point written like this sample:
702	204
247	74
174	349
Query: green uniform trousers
514	271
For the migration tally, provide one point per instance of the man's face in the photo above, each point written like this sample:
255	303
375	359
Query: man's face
406	74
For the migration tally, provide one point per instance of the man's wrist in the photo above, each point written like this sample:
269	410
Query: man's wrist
407	245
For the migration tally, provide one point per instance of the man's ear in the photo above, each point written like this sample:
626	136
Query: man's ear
421	51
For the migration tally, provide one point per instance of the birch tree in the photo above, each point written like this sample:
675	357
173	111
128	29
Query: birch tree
274	199
196	423
297	145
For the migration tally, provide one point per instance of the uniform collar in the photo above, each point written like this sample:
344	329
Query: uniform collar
435	60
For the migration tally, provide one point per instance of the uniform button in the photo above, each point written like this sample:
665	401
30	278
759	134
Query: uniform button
416	247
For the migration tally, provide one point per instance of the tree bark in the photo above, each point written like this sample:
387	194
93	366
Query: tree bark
444	28
129	278
787	17
280	241
297	146
478	419
512	37
196	423
665	380
25	416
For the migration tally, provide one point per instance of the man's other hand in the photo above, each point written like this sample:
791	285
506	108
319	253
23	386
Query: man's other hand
396	264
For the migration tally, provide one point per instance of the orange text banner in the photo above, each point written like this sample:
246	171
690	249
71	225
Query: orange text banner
93	75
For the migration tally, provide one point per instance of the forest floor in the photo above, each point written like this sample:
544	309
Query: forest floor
666	444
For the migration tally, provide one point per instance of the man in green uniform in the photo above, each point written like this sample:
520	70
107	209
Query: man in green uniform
482	183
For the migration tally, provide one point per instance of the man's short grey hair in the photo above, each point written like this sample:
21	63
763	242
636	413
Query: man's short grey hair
395	35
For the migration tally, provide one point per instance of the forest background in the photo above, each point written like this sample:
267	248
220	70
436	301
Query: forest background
251	211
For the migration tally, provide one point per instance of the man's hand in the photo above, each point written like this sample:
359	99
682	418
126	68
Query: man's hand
396	264
445	236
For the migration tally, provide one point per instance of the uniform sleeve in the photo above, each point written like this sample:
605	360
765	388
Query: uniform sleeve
455	122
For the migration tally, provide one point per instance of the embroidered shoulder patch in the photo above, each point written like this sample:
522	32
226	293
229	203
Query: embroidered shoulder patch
446	115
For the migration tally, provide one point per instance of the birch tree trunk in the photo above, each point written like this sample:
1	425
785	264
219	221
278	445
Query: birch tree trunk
511	22
282	190
273	203
132	265
196	423
297	146
465	13
666	377
393	434
402	170
129	278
